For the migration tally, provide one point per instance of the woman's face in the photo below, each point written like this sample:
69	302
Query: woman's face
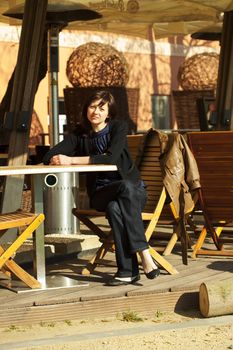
97	114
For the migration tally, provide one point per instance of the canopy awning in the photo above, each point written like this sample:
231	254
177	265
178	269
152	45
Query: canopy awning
134	17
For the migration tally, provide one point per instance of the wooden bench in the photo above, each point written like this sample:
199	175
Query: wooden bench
213	152
27	223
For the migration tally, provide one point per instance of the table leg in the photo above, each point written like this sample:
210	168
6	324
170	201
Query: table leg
38	241
51	282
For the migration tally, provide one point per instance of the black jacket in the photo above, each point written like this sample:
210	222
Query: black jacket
77	144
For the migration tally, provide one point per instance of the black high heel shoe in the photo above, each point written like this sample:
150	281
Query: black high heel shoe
153	274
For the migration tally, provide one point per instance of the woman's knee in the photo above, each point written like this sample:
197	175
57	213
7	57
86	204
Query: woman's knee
112	209
126	186
134	193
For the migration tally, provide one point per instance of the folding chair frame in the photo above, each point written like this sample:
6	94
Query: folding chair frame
146	153
107	241
29	222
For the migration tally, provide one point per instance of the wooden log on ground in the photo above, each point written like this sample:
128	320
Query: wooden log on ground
216	298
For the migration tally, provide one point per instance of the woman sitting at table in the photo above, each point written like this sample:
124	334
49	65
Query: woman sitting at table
101	139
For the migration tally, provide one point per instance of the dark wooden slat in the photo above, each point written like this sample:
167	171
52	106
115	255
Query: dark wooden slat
214	155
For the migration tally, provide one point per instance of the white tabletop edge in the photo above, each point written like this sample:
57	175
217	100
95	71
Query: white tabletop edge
45	169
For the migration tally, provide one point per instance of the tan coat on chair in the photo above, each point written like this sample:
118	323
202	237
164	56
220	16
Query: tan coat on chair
179	170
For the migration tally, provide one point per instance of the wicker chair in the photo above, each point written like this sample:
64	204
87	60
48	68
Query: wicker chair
185	107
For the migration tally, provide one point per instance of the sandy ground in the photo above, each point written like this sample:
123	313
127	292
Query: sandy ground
126	331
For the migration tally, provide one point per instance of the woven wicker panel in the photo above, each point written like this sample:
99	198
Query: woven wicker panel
185	107
36	130
199	72
26	201
127	100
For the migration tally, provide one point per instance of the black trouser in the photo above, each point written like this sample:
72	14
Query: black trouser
123	203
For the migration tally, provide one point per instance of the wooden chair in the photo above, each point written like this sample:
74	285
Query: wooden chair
156	209
213	152
27	223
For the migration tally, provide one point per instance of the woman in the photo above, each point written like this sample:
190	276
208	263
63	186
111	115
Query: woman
101	139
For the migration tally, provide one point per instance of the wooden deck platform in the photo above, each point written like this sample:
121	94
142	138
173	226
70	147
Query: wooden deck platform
147	297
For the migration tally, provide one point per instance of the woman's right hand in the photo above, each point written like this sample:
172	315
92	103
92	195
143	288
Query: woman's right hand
61	159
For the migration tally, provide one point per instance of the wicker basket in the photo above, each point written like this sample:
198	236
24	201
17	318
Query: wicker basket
127	100
185	107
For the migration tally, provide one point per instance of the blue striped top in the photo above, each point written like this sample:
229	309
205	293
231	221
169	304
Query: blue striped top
98	144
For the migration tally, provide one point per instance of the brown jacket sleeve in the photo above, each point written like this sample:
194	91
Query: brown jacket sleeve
192	177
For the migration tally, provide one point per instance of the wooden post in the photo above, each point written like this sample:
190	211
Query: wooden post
225	78
24	88
216	298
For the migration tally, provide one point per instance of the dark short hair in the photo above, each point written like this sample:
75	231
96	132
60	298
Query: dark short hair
105	97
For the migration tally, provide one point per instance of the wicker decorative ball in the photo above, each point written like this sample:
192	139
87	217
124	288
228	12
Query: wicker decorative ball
95	64
199	72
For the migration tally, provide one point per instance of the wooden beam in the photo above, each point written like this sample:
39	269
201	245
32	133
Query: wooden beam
225	78
24	89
